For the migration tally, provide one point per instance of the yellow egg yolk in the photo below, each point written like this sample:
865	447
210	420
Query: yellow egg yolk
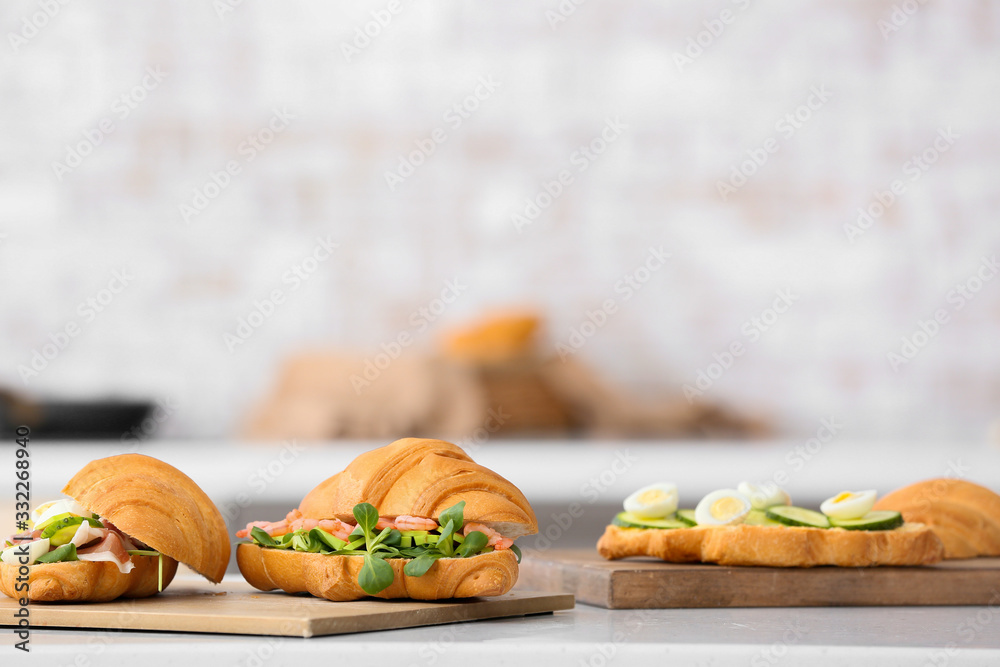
841	497
726	508
652	496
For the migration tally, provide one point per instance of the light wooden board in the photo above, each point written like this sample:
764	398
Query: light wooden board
237	608
642	583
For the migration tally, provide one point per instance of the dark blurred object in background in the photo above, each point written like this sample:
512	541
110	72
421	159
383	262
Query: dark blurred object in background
71	420
489	377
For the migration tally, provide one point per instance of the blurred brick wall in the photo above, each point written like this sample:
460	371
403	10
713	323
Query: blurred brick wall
883	79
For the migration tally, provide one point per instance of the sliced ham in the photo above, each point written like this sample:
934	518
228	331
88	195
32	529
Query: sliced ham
110	548
86	534
126	540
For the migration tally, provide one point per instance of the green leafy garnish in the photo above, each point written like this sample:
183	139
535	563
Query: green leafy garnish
445	542
376	575
474	542
61	554
455	515
517	552
377	547
262	538
325	538
367	517
418	566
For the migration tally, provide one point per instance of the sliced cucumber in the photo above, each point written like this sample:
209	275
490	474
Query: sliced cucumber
759	518
63	536
797	516
418	538
52	519
630	520
877	520
61	530
687	516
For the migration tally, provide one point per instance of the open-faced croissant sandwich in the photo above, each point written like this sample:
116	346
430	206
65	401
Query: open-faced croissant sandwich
414	519
757	525
127	522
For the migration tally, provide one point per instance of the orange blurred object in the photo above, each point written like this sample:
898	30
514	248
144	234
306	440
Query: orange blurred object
498	338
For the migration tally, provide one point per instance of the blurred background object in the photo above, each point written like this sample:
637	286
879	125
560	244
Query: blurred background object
493	375
787	209
74	420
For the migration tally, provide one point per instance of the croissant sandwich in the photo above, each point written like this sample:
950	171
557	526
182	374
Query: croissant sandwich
414	519
965	516
127	522
757	525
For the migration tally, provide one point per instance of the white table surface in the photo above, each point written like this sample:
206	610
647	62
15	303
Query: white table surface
583	636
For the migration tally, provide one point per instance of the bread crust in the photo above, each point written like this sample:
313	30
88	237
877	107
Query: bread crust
156	503
776	546
422	477
336	577
88	581
965	516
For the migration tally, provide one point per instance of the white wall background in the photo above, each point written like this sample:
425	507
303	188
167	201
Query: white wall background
62	235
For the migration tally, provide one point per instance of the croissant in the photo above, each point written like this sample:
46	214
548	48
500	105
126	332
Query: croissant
336	577
965	516
410	480
774	546
150	501
420	477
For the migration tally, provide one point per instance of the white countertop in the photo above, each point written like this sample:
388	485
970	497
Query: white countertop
557	471
586	636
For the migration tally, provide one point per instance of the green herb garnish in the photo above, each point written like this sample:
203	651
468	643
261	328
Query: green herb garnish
66	552
143	552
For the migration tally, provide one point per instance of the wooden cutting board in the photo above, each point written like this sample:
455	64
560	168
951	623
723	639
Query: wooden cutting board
652	584
190	605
